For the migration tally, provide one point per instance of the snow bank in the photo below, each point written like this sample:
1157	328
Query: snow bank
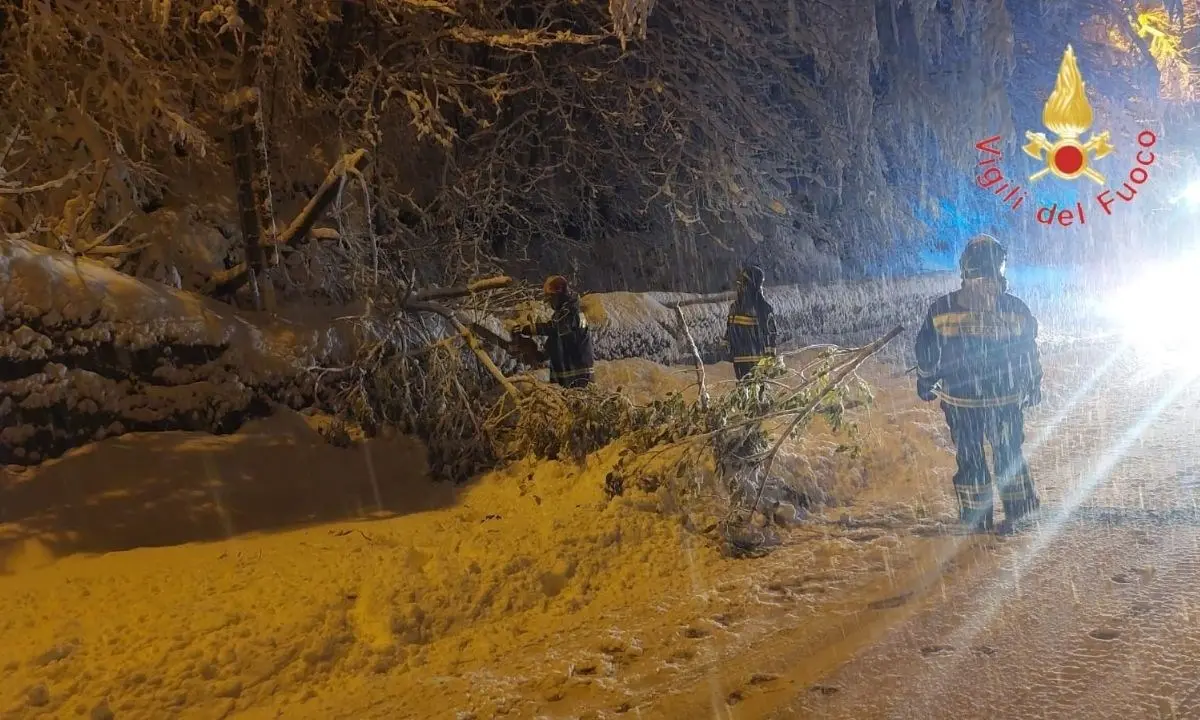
641	325
87	352
204	630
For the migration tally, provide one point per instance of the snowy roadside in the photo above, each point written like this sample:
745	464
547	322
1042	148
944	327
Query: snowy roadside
527	590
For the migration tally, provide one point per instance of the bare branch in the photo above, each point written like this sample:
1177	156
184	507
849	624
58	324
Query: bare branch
320	201
687	333
7	189
859	358
97	245
227	281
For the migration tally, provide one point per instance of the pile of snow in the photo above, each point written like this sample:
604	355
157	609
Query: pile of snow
85	304
113	354
463	604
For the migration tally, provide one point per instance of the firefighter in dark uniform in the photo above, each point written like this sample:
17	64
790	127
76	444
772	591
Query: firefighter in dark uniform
977	352
750	330
568	339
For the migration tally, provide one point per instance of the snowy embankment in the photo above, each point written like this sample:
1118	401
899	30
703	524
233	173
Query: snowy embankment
852	313
88	353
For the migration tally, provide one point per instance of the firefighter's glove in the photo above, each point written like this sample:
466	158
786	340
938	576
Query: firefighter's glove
925	388
1033	398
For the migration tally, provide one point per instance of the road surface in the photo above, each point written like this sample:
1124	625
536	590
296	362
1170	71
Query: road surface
1096	612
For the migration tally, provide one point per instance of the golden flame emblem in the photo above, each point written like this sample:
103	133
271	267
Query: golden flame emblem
1068	115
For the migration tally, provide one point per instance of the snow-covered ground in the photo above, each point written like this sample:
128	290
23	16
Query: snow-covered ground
1094	614
528	594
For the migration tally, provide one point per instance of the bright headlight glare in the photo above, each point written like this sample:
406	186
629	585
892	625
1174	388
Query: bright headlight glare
1191	193
1159	313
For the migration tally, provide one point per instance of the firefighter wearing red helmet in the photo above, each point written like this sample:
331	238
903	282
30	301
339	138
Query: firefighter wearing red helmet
750	330
977	353
568	338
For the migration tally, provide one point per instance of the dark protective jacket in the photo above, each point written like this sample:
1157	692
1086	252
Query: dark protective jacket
568	344
982	357
750	330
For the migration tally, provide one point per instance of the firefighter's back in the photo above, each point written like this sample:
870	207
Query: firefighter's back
745	334
986	352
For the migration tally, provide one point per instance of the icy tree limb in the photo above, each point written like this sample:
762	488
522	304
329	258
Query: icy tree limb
803	414
520	40
226	281
488	335
471	340
98	247
6	189
324	234
687	333
456	291
320	201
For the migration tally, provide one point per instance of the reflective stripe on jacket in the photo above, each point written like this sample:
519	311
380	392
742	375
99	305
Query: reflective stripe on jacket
979	356
750	329
568	341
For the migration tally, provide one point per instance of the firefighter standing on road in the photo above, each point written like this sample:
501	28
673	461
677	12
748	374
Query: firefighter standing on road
977	352
568	339
750	331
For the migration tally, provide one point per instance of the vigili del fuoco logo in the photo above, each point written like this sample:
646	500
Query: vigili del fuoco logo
1065	153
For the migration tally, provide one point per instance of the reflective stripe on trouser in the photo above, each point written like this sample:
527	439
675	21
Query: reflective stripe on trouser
744	320
976	402
1003	429
572	378
974	505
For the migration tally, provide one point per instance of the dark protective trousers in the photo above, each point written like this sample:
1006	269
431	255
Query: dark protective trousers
742	369
580	378
1004	429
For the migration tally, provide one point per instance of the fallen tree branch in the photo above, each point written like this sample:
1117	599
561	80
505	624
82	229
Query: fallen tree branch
320	201
472	342
456	291
6	189
701	300
687	333
528	40
445	342
95	245
859	358
488	335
